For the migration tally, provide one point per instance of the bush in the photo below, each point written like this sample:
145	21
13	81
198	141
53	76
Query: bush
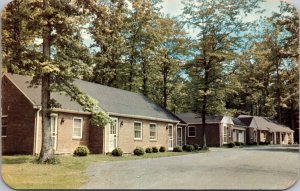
231	145
177	149
154	149
197	147
252	143
237	143
138	151
162	149
204	148
190	148
242	144
148	150
184	147
81	151
117	152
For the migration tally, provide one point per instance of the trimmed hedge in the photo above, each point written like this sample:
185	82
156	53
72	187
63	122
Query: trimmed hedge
189	148
197	147
138	151
148	150
81	151
162	149
154	149
231	145
117	152
177	149
237	143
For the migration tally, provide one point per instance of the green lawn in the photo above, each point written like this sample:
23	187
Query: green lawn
21	172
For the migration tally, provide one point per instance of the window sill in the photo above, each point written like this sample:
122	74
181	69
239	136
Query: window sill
153	140
3	136
138	139
76	138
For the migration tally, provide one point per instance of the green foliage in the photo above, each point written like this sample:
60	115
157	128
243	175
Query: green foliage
148	150
177	149
117	152
154	149
237	143
81	150
231	145
138	151
197	147
162	149
189	148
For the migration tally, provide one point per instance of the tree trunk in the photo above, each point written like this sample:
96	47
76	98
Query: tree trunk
206	73
165	78
46	154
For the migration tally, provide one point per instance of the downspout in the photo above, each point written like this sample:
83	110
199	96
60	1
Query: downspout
220	135
37	120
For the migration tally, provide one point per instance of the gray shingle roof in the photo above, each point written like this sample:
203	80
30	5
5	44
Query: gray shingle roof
238	122
193	118
111	100
263	123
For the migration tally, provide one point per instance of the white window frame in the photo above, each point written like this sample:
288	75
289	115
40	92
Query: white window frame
139	138
225	135
189	131
81	128
3	116
151	139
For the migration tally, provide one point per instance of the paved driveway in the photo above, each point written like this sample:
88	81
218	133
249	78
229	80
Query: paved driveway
247	168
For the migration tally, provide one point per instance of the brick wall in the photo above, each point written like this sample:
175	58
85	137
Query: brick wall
126	135
212	135
96	142
21	120
65	141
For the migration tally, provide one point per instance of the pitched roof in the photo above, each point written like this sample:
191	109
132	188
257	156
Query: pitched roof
112	100
238	122
263	123
193	118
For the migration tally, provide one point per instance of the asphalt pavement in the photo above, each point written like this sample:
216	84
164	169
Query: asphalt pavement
262	167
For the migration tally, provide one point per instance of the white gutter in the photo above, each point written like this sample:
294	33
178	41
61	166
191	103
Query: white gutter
37	122
141	117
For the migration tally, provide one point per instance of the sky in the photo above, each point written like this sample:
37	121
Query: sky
174	8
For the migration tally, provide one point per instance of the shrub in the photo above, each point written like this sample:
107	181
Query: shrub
154	149
162	149
117	152
242	144
231	145
177	149
205	148
237	143
190	148
197	147
138	151
184	147
81	151
148	150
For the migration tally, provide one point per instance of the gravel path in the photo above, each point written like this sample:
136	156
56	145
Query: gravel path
247	168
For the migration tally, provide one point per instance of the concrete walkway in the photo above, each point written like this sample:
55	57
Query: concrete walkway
242	168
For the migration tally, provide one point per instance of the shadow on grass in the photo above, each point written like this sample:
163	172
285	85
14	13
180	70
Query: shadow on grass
16	160
296	150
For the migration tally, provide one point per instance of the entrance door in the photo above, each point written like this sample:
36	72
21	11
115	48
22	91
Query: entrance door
179	136
170	137
241	137
234	133
113	134
53	121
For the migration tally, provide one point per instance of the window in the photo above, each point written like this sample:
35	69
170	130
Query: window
229	132
192	131
137	130
225	134
153	134
77	127
4	126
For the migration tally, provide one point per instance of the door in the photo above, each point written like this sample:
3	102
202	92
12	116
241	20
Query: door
113	128
170	137
235	135
179	136
241	137
53	121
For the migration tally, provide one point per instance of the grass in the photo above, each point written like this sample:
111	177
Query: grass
21	172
